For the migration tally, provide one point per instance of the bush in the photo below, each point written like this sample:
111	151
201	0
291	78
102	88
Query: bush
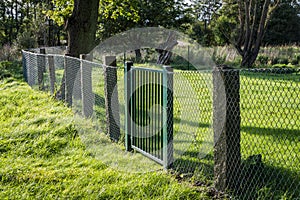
26	41
218	59
262	60
10	69
9	53
283	61
295	62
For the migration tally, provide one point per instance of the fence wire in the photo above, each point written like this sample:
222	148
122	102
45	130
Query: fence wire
263	124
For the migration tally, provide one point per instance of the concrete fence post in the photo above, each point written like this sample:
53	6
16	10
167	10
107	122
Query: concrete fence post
52	77
72	66
87	95
24	65
111	98
41	65
128	92
168	116
226	125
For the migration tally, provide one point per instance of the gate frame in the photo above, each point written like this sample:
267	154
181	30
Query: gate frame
167	114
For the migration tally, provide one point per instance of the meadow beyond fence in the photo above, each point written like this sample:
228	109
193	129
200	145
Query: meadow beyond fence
238	130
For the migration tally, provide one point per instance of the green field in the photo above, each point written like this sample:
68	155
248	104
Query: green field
43	157
270	129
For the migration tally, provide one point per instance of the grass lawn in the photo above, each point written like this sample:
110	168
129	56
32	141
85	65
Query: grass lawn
270	129
43	157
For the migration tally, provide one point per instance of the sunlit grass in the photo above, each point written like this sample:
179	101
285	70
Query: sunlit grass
42	156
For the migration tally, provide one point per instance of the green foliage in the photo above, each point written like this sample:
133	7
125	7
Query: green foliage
9	52
10	69
262	60
224	24
61	11
284	26
26	40
222	28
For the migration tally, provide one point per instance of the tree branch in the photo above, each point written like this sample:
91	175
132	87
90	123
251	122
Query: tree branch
253	27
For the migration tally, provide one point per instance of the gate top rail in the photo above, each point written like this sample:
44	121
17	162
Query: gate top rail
147	69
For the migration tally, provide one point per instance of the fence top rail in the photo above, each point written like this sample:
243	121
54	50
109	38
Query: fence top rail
96	64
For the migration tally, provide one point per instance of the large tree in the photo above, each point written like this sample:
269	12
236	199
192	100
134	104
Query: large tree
82	26
254	16
247	32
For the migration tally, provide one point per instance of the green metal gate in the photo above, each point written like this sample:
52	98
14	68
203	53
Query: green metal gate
149	112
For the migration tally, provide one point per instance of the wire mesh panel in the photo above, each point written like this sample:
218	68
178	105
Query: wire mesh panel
30	68
267	114
193	135
270	134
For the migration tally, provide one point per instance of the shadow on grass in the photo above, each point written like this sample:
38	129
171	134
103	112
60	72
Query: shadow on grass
259	178
99	101
277	133
273	74
256	181
262	181
191	123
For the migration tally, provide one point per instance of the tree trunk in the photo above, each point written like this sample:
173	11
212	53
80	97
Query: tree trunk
82	26
248	60
165	49
250	37
138	55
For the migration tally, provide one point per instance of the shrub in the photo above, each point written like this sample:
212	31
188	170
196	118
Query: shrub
294	62
283	61
26	41
262	60
9	53
218	59
9	69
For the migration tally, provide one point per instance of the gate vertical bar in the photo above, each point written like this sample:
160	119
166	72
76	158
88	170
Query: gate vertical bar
167	116
127	72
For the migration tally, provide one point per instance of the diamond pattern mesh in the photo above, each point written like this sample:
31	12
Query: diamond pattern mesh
266	165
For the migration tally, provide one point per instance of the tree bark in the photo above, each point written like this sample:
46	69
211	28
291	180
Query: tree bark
82	26
138	55
165	49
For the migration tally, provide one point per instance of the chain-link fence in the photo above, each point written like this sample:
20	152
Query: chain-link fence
236	129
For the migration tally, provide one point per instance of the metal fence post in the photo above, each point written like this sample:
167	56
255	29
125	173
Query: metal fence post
52	74
87	95
127	73
226	125
41	65
112	104
167	118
